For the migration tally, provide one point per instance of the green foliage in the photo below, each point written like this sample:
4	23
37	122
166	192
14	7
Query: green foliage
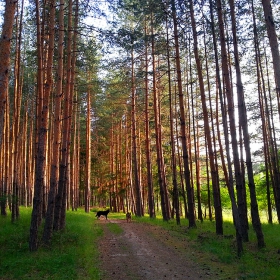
72	254
261	189
225	199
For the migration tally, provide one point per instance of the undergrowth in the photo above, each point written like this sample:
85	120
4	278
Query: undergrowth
71	255
73	252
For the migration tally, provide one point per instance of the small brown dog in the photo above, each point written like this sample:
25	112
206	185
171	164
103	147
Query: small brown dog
128	217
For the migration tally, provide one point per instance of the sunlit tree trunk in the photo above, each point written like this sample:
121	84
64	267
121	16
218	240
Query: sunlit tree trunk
209	195
230	186
24	144
122	164
244	124
5	58
265	123
271	161
117	165
190	192
212	121
6	163
30	160
147	139
140	164
112	170
274	46
129	206
73	71
179	157
239	177
75	157
61	196
43	93
134	141
198	171
221	147
5	52
88	152
156	106
48	228
214	171
16	120
195	174
270	143
172	139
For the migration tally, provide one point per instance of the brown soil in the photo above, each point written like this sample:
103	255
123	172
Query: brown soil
144	251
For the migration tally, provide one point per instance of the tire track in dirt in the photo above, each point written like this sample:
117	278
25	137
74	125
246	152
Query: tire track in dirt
144	251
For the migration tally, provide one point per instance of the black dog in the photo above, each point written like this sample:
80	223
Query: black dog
102	213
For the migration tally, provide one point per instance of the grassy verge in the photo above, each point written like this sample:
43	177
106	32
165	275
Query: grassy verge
112	227
72	254
218	253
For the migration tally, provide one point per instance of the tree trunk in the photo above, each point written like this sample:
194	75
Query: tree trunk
5	52
57	133
239	177
272	143
88	152
214	171
60	200
179	156
43	93
273	41
16	121
160	163
134	142
190	192
244	124
230	186
6	163
147	139
172	139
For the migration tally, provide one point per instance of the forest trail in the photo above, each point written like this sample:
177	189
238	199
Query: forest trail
145	251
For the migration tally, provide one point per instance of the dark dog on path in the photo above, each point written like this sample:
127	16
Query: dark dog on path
128	217
102	213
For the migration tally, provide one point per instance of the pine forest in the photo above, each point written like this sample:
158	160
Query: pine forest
165	108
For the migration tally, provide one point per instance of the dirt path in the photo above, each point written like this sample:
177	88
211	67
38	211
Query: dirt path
143	251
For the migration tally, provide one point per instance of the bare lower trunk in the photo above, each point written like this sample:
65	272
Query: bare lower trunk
57	133
244	124
190	192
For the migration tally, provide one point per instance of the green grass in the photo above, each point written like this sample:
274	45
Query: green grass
73	252
219	252
114	228
71	255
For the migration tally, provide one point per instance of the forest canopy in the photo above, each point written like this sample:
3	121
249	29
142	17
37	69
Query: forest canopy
157	107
